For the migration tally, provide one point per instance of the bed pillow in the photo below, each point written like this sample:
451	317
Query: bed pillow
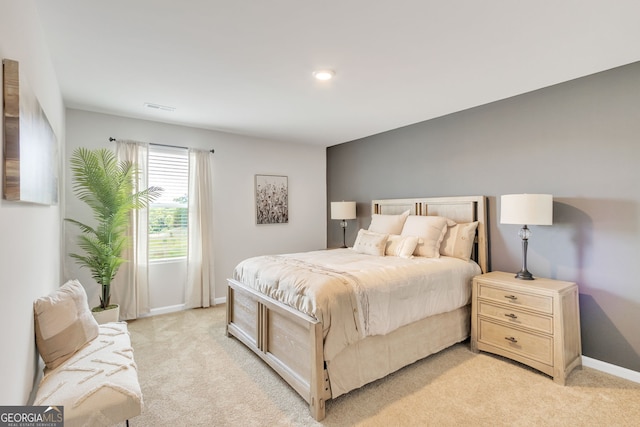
388	224
370	243
430	230
401	246
458	240
63	323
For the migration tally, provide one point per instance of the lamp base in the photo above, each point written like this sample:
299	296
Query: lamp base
524	234
343	224
524	275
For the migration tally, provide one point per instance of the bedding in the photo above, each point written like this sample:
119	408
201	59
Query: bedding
402	246
388	224
343	343
365	295
430	230
368	242
375	357
458	240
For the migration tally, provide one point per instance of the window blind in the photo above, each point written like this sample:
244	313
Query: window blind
168	216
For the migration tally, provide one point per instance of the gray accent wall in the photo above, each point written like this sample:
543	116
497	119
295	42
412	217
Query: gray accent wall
579	141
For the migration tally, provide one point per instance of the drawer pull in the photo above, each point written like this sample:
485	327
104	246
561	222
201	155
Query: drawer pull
511	297
511	316
511	339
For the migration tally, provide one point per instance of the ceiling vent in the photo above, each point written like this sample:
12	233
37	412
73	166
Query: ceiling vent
159	107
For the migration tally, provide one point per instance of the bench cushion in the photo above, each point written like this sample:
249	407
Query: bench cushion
98	385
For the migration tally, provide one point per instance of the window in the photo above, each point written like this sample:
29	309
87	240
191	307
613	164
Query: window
168	215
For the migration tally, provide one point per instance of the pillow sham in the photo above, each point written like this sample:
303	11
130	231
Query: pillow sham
401	246
388	224
63	323
458	240
430	230
370	243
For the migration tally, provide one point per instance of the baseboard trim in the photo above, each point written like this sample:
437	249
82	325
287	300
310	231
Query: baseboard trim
36	382
608	368
177	307
163	310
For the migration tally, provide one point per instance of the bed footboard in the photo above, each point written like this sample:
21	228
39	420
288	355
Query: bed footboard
288	341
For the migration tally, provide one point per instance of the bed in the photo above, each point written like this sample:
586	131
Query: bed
326	344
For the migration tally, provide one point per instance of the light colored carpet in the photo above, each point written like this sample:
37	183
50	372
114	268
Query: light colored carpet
193	375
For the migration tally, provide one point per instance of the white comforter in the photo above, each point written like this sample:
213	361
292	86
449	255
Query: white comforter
356	295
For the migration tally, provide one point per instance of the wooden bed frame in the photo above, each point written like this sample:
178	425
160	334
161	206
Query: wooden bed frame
291	342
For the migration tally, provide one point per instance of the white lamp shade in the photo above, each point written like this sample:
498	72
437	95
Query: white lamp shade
526	209
343	210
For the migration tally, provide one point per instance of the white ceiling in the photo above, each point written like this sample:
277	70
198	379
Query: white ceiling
245	66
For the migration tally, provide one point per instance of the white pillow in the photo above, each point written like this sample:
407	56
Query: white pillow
401	246
388	224
430	230
458	240
63	323
370	243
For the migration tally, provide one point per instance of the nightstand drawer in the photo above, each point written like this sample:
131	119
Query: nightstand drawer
526	344
510	296
514	316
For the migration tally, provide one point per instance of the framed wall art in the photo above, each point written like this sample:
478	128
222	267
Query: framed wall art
272	199
30	146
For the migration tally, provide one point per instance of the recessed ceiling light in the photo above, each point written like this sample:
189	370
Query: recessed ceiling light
324	74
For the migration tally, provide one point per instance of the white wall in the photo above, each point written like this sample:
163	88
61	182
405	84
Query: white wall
167	281
237	159
29	234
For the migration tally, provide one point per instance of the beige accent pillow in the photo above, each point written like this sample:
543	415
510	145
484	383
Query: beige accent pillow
370	243
401	246
458	240
63	323
388	224
430	230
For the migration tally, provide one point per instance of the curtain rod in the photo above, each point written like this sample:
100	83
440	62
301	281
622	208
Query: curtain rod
111	139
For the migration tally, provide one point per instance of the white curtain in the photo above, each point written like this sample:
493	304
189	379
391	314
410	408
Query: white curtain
200	277
130	287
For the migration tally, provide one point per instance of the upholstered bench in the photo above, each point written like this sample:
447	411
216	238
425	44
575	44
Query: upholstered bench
96	383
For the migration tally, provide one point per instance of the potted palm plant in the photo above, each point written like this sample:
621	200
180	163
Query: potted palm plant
106	186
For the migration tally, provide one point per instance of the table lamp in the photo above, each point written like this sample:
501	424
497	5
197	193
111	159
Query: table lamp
526	209
343	211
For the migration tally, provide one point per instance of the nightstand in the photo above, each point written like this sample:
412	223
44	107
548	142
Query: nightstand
535	322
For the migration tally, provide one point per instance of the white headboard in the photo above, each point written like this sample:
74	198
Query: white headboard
460	209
